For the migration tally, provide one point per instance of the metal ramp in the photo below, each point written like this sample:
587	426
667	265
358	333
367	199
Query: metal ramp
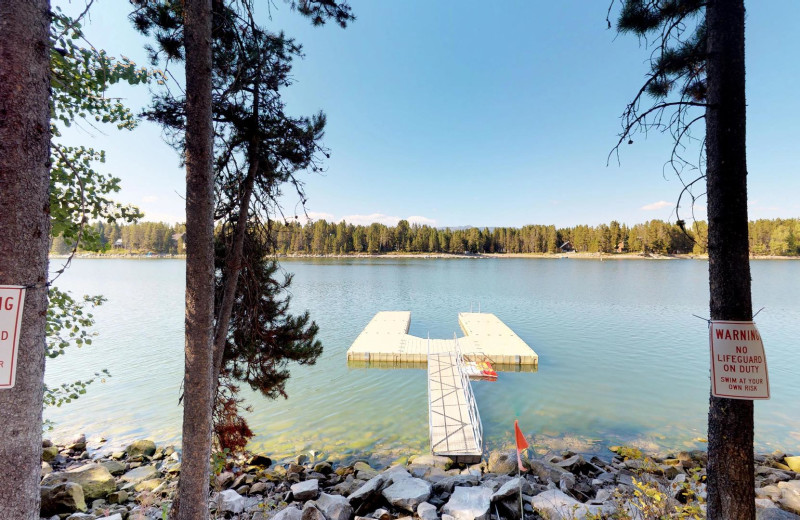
453	419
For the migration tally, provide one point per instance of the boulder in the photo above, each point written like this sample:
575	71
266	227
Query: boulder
469	503
408	493
793	463
546	470
260	460
118	497
306	490
427	511
148	485
790	495
367	491
113	466
62	498
288	513
560	506
323	467
310	512
140	474
512	488
49	453
46	469
503	463
334	507
446	485
229	501
141	447
95	480
773	513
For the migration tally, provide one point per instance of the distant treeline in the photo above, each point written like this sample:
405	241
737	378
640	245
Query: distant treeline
767	237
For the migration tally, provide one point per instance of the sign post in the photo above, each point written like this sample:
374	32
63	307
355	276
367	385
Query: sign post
12	300
738	363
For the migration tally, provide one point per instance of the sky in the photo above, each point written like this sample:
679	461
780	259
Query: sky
468	113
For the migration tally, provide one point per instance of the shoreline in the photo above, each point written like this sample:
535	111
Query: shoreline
140	481
475	256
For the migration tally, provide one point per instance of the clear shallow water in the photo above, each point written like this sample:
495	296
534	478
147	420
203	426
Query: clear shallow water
621	358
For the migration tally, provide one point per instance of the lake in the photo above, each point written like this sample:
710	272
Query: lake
622	359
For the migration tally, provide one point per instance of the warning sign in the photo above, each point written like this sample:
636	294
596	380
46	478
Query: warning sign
738	363
12	299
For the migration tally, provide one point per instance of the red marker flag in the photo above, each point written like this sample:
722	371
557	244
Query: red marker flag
521	444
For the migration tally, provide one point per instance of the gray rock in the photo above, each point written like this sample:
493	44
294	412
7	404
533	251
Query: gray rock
310	512
95	480
62	498
503	462
408	493
229	501
774	513
224	479
288	513
426	511
566	482
259	488
306	490
446	485
546	470
46	469
323	467
140	474
334	507
141	447
469	503
560	506
512	488
368	490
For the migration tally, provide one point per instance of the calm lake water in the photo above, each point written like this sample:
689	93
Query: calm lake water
621	358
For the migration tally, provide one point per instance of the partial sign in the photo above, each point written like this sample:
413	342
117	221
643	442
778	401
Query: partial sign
12	300
738	363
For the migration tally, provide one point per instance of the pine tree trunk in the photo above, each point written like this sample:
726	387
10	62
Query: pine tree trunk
731	483
24	240
192	499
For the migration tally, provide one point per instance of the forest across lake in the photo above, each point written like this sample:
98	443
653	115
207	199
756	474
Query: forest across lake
776	237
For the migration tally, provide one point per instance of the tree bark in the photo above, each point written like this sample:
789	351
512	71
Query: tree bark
192	498
24	240
731	482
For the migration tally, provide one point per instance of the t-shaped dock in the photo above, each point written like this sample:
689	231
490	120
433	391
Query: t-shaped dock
453	419
385	341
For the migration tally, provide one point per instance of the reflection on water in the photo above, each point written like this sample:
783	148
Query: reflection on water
621	358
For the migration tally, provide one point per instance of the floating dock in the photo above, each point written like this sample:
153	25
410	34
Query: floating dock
385	341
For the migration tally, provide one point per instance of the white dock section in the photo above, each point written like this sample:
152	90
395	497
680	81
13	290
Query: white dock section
385	341
454	421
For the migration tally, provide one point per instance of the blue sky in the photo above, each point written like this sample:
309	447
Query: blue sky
458	113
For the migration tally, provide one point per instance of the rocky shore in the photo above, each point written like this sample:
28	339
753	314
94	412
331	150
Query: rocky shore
139	483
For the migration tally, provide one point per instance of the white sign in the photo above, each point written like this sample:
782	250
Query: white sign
12	299
738	363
